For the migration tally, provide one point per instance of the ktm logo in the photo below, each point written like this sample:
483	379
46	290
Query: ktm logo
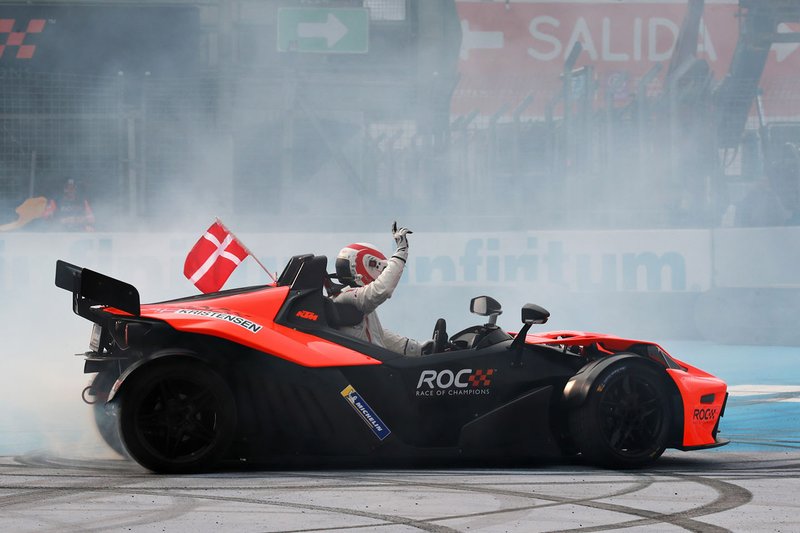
17	38
308	315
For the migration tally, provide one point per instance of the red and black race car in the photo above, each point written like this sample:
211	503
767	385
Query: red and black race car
261	374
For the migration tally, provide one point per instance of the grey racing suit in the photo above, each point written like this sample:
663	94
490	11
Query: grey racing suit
367	299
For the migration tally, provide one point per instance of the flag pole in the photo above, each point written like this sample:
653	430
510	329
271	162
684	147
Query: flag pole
246	249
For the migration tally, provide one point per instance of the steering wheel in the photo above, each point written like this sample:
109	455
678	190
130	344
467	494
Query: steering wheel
439	336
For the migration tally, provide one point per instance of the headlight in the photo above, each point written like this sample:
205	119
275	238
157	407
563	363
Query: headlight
94	340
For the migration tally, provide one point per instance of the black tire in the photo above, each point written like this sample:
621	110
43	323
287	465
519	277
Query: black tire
104	414
625	420
177	417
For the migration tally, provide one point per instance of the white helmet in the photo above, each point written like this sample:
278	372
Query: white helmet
358	264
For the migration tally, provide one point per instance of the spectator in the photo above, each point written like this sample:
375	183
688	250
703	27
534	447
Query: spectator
72	212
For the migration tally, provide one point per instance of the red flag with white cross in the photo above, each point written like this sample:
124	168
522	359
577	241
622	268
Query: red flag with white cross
213	258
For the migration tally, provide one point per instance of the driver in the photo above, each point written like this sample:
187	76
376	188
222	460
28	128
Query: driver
370	280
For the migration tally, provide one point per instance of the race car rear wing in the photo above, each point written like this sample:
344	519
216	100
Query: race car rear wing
90	288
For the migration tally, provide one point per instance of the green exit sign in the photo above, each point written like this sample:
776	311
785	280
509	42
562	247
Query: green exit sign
323	30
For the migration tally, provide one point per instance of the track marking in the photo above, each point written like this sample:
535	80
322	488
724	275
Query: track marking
540	487
773	393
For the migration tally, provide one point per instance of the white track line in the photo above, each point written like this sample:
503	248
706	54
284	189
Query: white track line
791	393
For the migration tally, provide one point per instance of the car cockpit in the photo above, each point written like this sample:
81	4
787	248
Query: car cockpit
482	335
308	308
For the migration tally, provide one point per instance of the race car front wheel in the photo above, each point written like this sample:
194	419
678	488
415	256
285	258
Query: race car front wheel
624	422
177	417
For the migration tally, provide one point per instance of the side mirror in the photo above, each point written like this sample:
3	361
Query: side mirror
486	306
534	314
531	314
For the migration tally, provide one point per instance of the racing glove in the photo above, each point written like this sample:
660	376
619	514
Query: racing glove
401	239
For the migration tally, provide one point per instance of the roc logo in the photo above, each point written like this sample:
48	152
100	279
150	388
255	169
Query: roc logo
308	315
481	378
17	38
465	382
704	415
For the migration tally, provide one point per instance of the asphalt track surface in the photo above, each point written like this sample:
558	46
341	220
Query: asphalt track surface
684	492
751	485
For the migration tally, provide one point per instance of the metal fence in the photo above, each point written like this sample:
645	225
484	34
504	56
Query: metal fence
146	148
55	126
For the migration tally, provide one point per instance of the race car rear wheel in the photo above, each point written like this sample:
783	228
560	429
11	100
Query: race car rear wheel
177	417
104	417
625	420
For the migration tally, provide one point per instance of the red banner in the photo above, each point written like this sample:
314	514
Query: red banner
515	49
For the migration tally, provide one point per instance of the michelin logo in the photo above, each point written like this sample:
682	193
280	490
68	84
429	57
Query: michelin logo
365	412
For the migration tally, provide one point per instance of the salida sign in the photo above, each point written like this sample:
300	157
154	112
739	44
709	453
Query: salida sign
510	50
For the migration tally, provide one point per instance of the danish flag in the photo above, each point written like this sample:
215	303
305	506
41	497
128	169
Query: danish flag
213	258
